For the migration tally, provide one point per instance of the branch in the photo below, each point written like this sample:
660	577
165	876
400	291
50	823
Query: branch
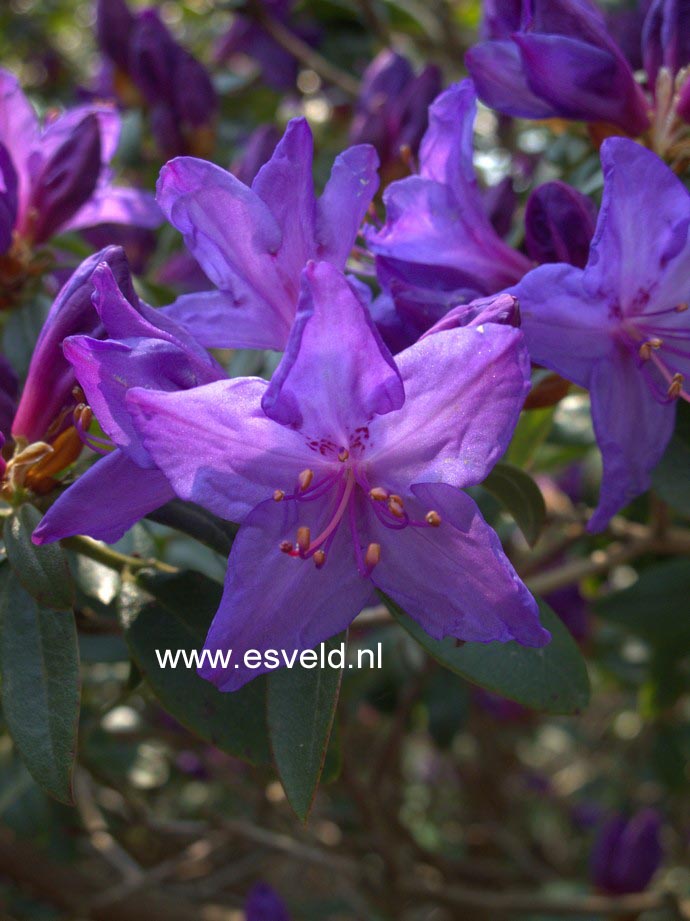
113	559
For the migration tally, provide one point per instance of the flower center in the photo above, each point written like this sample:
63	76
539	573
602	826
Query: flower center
663	349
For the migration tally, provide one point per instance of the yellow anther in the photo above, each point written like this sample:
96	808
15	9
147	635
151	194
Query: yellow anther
278	495
676	386
319	558
378	494
303	539
304	479
433	518
372	556
396	507
343	455
646	348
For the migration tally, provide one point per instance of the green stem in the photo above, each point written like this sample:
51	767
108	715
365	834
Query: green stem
113	559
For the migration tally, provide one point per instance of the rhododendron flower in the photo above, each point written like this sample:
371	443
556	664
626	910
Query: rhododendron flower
438	245
627	852
346	472
146	349
621	326
57	177
253	242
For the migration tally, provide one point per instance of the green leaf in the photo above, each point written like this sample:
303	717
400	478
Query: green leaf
43	571
655	607
531	431
197	523
552	679
40	685
174	612
521	496
671	478
301	709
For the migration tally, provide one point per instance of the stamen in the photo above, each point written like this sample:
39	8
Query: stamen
286	547
682	307
378	494
304	479
645	351
278	495
303	539
343	455
395	506
433	518
373	556
319	558
676	386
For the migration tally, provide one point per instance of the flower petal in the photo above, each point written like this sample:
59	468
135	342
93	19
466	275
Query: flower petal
455	579
336	372
19	131
464	389
498	73
117	205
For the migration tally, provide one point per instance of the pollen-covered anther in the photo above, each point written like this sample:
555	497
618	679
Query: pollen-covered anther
319	558
286	547
373	556
278	495
432	518
343	455
303	539
676	386
647	347
682	307
304	479
83	415
378	494
396	507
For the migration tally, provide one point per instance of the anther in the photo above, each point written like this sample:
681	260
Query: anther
286	546
676	386
396	507
378	494
303	539
83	414
682	307
304	479
372	556
433	518
319	558
343	455
278	495
646	348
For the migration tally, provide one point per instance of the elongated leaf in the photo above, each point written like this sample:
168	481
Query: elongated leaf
197	523
301	708
43	571
531	431
521	496
174	613
40	685
671	478
553	679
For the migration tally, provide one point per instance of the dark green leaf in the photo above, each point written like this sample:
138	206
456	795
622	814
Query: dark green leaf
197	523
43	571
531	431
174	612
671	479
553	679
301	708
40	685
521	496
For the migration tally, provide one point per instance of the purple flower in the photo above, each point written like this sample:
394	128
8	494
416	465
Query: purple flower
560	62
559	224
9	388
146	349
58	178
278	225
620	326
627	853
264	904
438	246
391	111
345	471
500	18
666	38
258	149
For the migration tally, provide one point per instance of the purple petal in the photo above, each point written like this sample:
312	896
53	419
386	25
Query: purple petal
455	579
19	132
559	224
217	447
117	205
216	321
105	501
499	75
336	372
666	37
464	389
9	201
632	430
282	603
503	309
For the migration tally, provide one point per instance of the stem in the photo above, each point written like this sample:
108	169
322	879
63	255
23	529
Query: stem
113	559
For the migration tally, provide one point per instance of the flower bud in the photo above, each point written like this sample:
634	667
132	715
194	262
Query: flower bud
666	37
68	179
114	25
627	853
500	202
51	380
152	57
195	98
8	199
264	904
500	18
559	224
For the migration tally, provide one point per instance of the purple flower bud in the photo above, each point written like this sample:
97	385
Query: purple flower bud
571	607
627	853
68	179
626	28
8	199
500	202
258	150
264	904
50	381
194	96
500	18
559	224
666	37
114	26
